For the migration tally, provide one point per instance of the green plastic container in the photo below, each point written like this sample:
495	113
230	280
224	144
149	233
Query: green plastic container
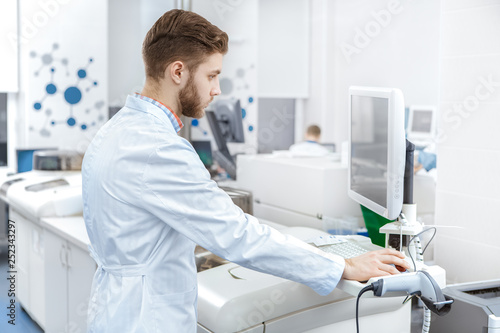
373	222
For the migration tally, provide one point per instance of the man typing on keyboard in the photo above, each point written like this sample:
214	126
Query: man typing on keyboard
148	199
375	263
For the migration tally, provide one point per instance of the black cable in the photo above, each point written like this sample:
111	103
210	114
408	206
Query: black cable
365	289
425	248
430	240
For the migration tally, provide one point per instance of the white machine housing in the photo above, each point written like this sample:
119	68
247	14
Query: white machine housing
32	196
232	298
46	194
296	191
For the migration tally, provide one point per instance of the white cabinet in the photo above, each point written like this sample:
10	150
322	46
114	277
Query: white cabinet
56	284
30	267
54	272
22	257
69	273
9	46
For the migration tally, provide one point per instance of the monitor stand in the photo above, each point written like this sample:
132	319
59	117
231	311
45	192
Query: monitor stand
406	226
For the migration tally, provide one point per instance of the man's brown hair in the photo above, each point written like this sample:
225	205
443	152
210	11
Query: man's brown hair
180	35
314	130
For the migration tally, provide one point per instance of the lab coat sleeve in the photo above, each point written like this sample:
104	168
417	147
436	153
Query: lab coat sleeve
178	190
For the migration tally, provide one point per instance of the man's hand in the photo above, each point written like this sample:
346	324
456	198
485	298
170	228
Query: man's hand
375	263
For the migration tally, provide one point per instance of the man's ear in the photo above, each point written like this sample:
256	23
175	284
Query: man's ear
176	71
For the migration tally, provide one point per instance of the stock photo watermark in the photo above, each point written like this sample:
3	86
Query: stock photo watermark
372	29
12	273
281	119
456	114
30	27
266	308
222	7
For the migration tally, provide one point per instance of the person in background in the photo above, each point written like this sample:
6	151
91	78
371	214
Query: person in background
425	159
311	146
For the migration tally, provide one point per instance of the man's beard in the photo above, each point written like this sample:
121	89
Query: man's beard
190	101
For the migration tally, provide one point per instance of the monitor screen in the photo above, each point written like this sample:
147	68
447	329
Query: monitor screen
229	116
377	149
369	147
422	121
204	150
3	154
421	124
222	155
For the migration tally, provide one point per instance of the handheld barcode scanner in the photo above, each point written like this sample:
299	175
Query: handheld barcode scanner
421	284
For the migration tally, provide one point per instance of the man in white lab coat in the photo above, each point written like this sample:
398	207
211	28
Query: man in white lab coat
148	199
311	146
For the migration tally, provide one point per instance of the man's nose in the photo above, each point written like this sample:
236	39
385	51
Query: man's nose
216	90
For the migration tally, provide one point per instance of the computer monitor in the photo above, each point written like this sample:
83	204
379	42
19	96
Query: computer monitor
377	149
421	124
3	154
222	155
204	150
229	116
25	158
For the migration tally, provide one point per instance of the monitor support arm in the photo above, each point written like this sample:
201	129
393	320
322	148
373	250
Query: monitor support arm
408	178
409	207
406	226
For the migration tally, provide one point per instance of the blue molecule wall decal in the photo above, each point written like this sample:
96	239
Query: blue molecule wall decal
48	59
237	84
195	123
72	94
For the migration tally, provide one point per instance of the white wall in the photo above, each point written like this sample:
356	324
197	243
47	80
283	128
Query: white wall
468	188
321	71
375	43
283	52
129	21
8	45
238	78
62	100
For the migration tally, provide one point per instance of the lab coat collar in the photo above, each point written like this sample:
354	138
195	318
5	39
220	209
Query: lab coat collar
174	119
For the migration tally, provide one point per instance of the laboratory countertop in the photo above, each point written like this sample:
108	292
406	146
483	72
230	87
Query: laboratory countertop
4	173
71	228
6	170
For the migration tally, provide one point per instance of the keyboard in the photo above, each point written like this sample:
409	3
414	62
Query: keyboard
346	250
345	246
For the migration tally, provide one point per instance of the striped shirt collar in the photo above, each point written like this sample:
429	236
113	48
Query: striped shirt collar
176	122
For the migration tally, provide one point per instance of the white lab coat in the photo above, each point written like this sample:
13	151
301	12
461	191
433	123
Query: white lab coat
308	149
148	200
